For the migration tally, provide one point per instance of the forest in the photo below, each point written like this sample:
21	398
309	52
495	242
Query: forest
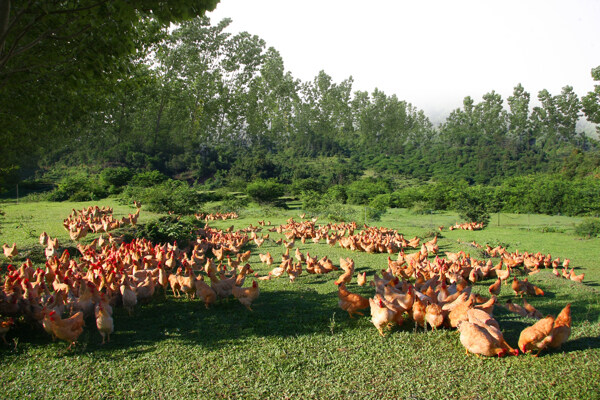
210	113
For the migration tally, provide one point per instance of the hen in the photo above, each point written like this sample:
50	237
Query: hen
538	336
246	295
351	302
5	327
477	340
562	327
67	329
104	323
10	251
381	316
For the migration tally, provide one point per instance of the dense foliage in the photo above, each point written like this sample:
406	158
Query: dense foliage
203	106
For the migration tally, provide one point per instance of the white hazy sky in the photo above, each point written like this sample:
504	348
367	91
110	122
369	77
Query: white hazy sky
431	53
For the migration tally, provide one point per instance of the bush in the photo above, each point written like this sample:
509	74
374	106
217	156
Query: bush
78	188
116	177
148	179
169	229
421	208
265	191
171	195
589	228
363	191
474	204
381	202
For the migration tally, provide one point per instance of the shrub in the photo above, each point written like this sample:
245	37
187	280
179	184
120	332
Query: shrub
147	179
265	191
421	208
169	229
590	227
78	188
473	204
171	195
381	202
116	177
363	191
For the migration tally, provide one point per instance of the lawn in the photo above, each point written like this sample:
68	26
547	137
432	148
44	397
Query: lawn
297	343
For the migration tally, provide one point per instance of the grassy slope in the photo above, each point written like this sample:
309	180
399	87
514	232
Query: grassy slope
297	343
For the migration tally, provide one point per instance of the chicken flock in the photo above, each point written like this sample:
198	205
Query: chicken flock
434	292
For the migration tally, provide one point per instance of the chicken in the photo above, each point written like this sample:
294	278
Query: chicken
572	276
531	289
418	312
434	315
67	329
5	327
515	308
104	323
562	327
205	292
538	336
128	295
531	310
145	290
459	313
495	287
10	251
483	320
351	302
246	295
381	316
519	287
488	306
478	340
361	279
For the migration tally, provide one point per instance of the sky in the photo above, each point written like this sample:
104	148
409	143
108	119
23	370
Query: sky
431	53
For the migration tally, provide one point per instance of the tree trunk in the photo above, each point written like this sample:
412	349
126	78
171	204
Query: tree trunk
4	21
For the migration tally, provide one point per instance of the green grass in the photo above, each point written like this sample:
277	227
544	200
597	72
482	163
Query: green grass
297	343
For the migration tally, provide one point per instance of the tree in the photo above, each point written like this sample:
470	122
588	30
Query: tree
59	60
591	101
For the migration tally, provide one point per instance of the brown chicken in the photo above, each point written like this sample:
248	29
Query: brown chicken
246	295
459	313
351	302
531	310
67	329
515	308
5	327
562	327
519	287
128	295
538	336
495	287
434	315
10	251
361	279
205	292
381	316
477	340
418	312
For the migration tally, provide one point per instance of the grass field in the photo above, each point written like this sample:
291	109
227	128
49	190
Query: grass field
297	344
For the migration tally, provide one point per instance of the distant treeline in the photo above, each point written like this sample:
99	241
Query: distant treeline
219	110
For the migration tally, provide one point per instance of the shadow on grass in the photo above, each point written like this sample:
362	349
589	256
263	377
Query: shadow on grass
282	313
